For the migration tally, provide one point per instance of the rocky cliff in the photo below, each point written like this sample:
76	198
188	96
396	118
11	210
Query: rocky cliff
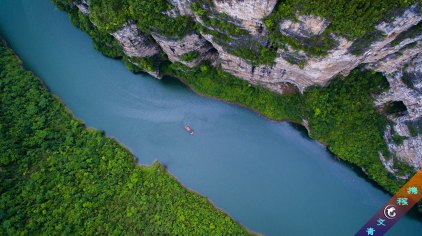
235	36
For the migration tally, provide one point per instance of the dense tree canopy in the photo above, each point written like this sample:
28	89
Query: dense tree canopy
57	177
353	19
150	16
341	115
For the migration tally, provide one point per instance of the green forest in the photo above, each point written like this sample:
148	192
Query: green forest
340	115
349	18
352	19
58	177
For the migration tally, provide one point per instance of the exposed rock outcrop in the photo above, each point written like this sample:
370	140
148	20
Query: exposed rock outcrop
134	43
400	63
399	91
319	70
175	49
397	61
396	68
172	13
271	77
306	26
246	9
250	12
410	151
182	7
83	7
381	56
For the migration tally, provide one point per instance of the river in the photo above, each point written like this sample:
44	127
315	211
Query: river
267	175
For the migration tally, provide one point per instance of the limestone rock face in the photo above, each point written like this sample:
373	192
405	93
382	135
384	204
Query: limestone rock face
410	150
172	13
182	7
250	12
399	91
271	77
83	7
320	70
397	62
134	43
400	62
306	27
246	9
392	61
175	49
410	16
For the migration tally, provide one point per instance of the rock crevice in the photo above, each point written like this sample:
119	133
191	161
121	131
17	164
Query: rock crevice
398	62
134	43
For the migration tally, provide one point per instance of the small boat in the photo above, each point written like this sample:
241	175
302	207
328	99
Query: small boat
189	129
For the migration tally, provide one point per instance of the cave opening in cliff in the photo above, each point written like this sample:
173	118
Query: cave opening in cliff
396	108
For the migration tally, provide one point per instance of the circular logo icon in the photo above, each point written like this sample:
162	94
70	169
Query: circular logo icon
390	212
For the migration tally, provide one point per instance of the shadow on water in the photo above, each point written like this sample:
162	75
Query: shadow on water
175	83
413	213
142	115
301	130
356	169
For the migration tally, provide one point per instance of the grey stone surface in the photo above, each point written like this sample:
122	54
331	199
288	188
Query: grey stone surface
175	48
249	12
410	151
134	43
83	7
404	59
183	7
318	70
306	26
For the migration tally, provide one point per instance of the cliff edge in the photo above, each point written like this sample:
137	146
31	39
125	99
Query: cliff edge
281	46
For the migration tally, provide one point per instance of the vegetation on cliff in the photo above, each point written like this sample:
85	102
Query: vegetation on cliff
348	18
214	82
413	32
110	15
150	18
341	115
103	42
57	177
227	33
189	56
352	19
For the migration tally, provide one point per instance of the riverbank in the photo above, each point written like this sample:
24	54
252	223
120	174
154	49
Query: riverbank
341	115
359	87
337	124
251	168
78	180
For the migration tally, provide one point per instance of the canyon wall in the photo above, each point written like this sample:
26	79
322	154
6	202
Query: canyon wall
397	61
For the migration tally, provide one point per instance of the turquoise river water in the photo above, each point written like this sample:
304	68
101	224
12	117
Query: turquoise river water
267	175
